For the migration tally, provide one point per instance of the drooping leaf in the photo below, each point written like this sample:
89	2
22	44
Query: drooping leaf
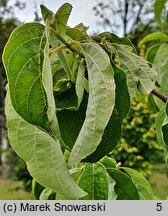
64	62
46	13
137	71
160	64
42	154
47	81
75	174
125	188
113	130
154	36
94	180
23	60
144	189
80	85
129	66
71	122
158	7
100	103
76	60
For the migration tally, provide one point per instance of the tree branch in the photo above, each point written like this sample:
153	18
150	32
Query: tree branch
158	94
73	49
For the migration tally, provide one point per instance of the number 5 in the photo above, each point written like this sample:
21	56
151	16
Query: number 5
159	207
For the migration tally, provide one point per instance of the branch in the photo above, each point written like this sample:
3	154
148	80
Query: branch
158	94
69	46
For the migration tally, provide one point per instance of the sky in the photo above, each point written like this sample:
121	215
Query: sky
82	11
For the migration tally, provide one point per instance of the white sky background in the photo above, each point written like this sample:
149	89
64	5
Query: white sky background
82	12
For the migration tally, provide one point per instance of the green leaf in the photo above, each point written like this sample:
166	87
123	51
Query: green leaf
76	34
23	60
100	103
75	174
154	36
137	71
80	82
159	132
36	189
64	62
158	7
64	88
70	122
165	126
144	189
62	85
82	28
67	100
47	81
42	154
122	101
46	193
114	39
151	53
160	64
125	188
108	162
46	13
61	18
112	194
129	66
113	130
159	122
94	180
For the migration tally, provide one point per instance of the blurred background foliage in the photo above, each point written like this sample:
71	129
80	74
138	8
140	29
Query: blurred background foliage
138	147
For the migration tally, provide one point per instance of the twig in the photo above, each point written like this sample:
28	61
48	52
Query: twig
158	94
69	46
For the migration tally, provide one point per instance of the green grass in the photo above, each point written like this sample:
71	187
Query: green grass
13	190
159	181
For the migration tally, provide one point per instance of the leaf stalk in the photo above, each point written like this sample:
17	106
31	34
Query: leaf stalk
69	46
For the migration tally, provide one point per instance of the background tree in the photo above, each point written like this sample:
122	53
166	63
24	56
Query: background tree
138	147
8	22
133	18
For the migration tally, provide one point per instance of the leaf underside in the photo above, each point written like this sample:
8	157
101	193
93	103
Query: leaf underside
42	154
100	103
